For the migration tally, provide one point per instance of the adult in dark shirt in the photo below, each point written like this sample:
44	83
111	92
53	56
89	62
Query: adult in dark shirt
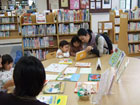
29	77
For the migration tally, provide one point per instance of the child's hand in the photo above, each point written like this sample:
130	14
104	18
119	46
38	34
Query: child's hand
60	53
89	48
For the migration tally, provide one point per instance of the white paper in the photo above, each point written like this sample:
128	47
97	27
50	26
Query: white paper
70	70
98	64
92	5
98	5
56	68
85	70
107	25
106	3
51	77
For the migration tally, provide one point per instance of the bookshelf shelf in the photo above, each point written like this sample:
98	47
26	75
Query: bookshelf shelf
134	42
131	44
67	34
38	23
117	24
9	23
39	35
74	22
10	37
8	30
133	20
135	31
9	27
50	47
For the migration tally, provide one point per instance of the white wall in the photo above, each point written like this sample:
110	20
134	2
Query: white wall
41	5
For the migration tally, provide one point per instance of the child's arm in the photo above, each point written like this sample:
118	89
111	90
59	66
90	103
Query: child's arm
59	54
8	84
67	54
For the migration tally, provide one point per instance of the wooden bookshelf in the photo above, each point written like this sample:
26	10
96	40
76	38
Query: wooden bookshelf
113	16
9	27
103	28
124	44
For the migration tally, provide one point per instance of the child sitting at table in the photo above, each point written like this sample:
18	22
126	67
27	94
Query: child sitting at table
6	72
76	45
63	51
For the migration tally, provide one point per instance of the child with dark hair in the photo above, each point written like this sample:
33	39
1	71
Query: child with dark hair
76	45
6	72
63	51
29	78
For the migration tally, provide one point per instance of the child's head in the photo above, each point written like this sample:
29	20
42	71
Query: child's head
7	62
75	42
64	46
0	62
29	77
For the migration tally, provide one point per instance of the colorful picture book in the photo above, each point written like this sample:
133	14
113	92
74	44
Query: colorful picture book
65	61
91	87
27	18
94	77
68	77
40	18
53	99
70	70
54	87
82	64
56	67
80	55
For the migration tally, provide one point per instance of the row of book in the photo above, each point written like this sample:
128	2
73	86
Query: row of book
134	26
134	14
134	48
133	37
73	15
34	30
4	34
38	42
8	27
40	54
71	28
7	20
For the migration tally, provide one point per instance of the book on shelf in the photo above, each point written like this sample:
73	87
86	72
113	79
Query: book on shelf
4	34
53	99
54	87
94	77
134	26
134	48
73	15
65	61
134	14
40	18
91	87
35	30
82	64
117	29
71	28
116	37
68	77
133	37
27	18
40	54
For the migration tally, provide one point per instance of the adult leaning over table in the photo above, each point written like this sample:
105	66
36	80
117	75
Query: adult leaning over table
90	42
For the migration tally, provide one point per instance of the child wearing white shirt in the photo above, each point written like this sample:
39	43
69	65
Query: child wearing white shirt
6	72
63	51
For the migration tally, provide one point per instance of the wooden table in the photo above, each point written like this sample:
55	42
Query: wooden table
126	92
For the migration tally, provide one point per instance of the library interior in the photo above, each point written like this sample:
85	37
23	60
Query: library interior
69	52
